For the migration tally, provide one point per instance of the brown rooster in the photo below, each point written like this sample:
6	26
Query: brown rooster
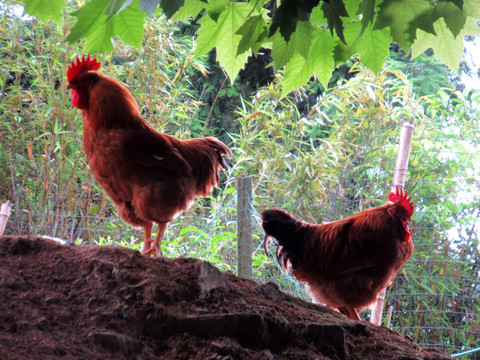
151	177
345	263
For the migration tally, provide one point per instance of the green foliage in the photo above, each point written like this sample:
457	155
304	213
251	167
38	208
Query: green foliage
41	154
93	23
296	30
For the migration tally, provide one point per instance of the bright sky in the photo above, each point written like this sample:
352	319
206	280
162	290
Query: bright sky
472	57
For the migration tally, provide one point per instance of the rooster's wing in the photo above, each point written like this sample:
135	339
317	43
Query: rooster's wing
155	154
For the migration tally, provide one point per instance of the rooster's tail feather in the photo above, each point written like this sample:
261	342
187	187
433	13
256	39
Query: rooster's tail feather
221	149
287	231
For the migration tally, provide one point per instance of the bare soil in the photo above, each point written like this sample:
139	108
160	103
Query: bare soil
100	302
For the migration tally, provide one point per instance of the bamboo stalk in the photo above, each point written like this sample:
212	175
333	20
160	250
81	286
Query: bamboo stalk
399	174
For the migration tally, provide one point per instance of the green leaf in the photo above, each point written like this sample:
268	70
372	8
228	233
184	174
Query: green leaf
343	51
297	73
333	11
45	9
115	6
221	34
317	16
169	7
92	24
403	17
351	7
282	51
287	15
215	7
322	52
472	8
87	16
252	30
320	61
302	37
373	47
206	35
367	10
300	41
447	48
190	9
453	16
128	26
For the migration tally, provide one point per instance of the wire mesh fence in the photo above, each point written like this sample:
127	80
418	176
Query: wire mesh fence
434	299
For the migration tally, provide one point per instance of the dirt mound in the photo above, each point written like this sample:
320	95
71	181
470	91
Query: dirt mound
92	302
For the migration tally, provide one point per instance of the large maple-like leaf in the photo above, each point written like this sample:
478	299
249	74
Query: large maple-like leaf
92	24
190	9
302	37
287	15
447	48
253	31
282	51
452	14
300	41
372	47
45	9
115	6
334	10
320	62
472	8
169	7
222	34
404	17
344	51
367	10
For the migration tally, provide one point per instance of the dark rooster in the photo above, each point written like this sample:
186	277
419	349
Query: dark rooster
345	263
151	177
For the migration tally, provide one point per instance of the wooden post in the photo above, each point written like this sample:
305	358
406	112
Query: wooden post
399	174
244	226
4	214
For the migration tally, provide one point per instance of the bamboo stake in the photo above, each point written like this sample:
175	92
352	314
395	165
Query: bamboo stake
399	174
4	214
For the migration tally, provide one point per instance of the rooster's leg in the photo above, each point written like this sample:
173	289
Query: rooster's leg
158	239
155	247
351	313
147	238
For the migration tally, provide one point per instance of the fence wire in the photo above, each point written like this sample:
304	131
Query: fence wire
434	299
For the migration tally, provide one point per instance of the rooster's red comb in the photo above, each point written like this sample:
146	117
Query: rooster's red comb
402	199
80	66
